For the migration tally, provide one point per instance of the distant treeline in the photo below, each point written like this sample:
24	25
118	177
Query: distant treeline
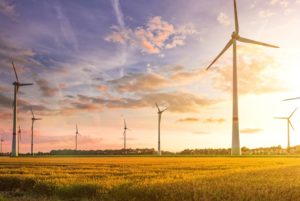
278	150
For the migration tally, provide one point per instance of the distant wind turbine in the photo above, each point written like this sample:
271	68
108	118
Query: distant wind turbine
17	85
124	134
289	123
160	112
236	150
33	119
76	137
19	134
1	141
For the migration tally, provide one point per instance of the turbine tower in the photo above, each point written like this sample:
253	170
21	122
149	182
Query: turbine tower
33	119
236	150
76	137
17	85
160	112
124	134
289	123
19	134
1	141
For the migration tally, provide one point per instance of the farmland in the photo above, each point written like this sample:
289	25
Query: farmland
150	178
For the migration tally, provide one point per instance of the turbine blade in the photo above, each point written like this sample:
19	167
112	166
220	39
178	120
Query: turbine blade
246	40
26	84
291	99
164	110
293	113
281	118
236	18
15	71
291	125
223	51
157	107
125	124
38	119
76	128
32	112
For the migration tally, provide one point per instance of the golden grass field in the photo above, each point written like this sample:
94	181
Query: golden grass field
150	178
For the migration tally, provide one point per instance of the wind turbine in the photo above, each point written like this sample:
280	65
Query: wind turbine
1	141
289	123
159	120
17	85
236	150
19	134
124	134
76	137
33	119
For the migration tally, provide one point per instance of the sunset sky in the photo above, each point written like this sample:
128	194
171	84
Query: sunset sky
96	62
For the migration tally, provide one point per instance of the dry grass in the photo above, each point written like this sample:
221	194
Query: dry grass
150	178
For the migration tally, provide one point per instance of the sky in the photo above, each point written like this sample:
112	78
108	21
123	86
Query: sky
97	62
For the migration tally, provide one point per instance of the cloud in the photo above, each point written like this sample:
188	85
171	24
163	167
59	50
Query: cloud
189	120
10	51
168	78
255	71
5	101
223	19
214	121
7	9
265	13
139	82
118	12
251	131
46	89
178	102
205	121
283	3
152	38
66	27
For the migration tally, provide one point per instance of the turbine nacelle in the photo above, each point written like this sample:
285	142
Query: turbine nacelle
159	110
235	35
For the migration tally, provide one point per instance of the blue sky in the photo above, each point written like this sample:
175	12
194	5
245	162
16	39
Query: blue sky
99	61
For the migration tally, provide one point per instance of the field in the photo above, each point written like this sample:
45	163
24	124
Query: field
150	178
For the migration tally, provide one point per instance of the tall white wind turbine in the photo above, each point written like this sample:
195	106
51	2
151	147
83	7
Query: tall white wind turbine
289	124
33	119
159	112
236	150
17	85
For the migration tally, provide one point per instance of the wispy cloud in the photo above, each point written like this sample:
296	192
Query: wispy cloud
119	14
266	13
189	120
251	130
205	121
223	19
7	8
47	90
283	3
66	27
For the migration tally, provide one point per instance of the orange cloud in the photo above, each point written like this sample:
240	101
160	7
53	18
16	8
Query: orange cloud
251	130
253	72
155	36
